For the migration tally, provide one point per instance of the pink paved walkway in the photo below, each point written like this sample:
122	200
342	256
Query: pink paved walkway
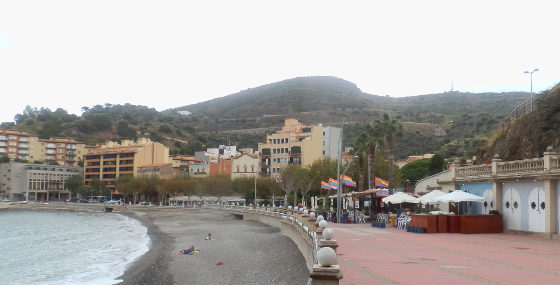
370	255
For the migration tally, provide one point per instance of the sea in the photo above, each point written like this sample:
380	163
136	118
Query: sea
62	247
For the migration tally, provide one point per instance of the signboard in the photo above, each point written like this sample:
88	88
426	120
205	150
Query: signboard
356	204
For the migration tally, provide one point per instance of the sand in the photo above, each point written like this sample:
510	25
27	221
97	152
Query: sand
251	252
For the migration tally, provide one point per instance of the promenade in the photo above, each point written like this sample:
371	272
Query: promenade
370	255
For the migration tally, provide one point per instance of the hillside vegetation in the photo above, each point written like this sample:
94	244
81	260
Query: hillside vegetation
529	136
451	123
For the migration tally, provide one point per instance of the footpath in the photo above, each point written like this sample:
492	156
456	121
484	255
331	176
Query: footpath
369	255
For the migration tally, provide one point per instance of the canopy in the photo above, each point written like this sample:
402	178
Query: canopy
459	196
429	198
400	197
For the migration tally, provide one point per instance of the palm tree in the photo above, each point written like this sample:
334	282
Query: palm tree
390	127
374	136
360	146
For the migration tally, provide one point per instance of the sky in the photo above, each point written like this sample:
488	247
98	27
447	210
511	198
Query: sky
164	54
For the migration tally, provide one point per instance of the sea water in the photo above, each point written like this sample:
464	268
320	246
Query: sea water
60	247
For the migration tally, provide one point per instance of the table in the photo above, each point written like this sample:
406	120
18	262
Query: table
426	221
481	224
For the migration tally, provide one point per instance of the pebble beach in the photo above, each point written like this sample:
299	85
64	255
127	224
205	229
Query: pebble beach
240	252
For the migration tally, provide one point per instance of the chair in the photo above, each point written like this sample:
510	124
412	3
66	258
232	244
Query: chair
402	220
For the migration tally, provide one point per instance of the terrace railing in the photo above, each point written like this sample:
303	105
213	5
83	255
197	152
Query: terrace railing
548	164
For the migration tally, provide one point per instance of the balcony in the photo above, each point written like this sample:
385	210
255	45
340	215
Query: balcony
23	139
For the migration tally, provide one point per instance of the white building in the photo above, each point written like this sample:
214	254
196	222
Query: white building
244	165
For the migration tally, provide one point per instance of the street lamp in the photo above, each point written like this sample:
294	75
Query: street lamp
531	73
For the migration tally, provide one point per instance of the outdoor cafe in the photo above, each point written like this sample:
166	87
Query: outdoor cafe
438	221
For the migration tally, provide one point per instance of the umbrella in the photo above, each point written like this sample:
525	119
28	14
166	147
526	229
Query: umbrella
430	197
400	197
459	196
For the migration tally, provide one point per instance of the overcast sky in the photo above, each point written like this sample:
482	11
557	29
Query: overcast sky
165	54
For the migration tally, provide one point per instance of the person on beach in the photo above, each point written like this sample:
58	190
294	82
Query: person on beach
189	250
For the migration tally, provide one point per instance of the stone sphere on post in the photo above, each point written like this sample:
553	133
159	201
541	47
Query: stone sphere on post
326	256
305	212
301	210
323	224
328	233
312	215
289	207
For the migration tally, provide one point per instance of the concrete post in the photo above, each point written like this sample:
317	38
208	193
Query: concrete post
497	196
550	210
548	155
325	275
495	162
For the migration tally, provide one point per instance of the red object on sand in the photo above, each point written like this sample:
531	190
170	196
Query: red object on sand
220	263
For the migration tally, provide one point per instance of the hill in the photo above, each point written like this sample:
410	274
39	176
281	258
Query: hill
530	135
452	123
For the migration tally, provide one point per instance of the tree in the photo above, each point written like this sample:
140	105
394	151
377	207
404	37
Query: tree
416	170
437	164
374	139
289	180
218	185
390	127
360	146
74	183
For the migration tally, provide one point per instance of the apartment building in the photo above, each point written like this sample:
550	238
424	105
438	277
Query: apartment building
64	151
109	161
297	143
20	145
37	182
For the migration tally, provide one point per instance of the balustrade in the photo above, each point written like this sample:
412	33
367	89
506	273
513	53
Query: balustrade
520	166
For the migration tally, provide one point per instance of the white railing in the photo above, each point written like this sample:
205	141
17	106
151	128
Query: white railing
555	165
471	171
520	166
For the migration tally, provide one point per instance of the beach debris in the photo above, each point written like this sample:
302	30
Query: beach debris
209	237
220	263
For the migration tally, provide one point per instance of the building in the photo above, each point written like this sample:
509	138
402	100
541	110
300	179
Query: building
297	144
199	170
19	145
37	182
23	146
220	166
244	165
64	151
109	161
163	171
182	162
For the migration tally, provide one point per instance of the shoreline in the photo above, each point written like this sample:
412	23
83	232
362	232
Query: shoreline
250	252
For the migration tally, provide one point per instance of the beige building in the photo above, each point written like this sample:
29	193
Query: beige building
109	161
64	151
298	144
37	182
23	146
244	165
20	145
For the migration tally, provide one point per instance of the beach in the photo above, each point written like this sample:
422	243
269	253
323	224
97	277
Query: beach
249	252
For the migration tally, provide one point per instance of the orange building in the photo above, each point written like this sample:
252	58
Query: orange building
109	161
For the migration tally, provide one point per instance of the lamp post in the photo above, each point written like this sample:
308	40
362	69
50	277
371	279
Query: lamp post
255	191
531	73
338	188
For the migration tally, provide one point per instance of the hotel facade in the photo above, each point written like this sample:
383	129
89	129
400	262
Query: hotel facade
111	160
299	144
